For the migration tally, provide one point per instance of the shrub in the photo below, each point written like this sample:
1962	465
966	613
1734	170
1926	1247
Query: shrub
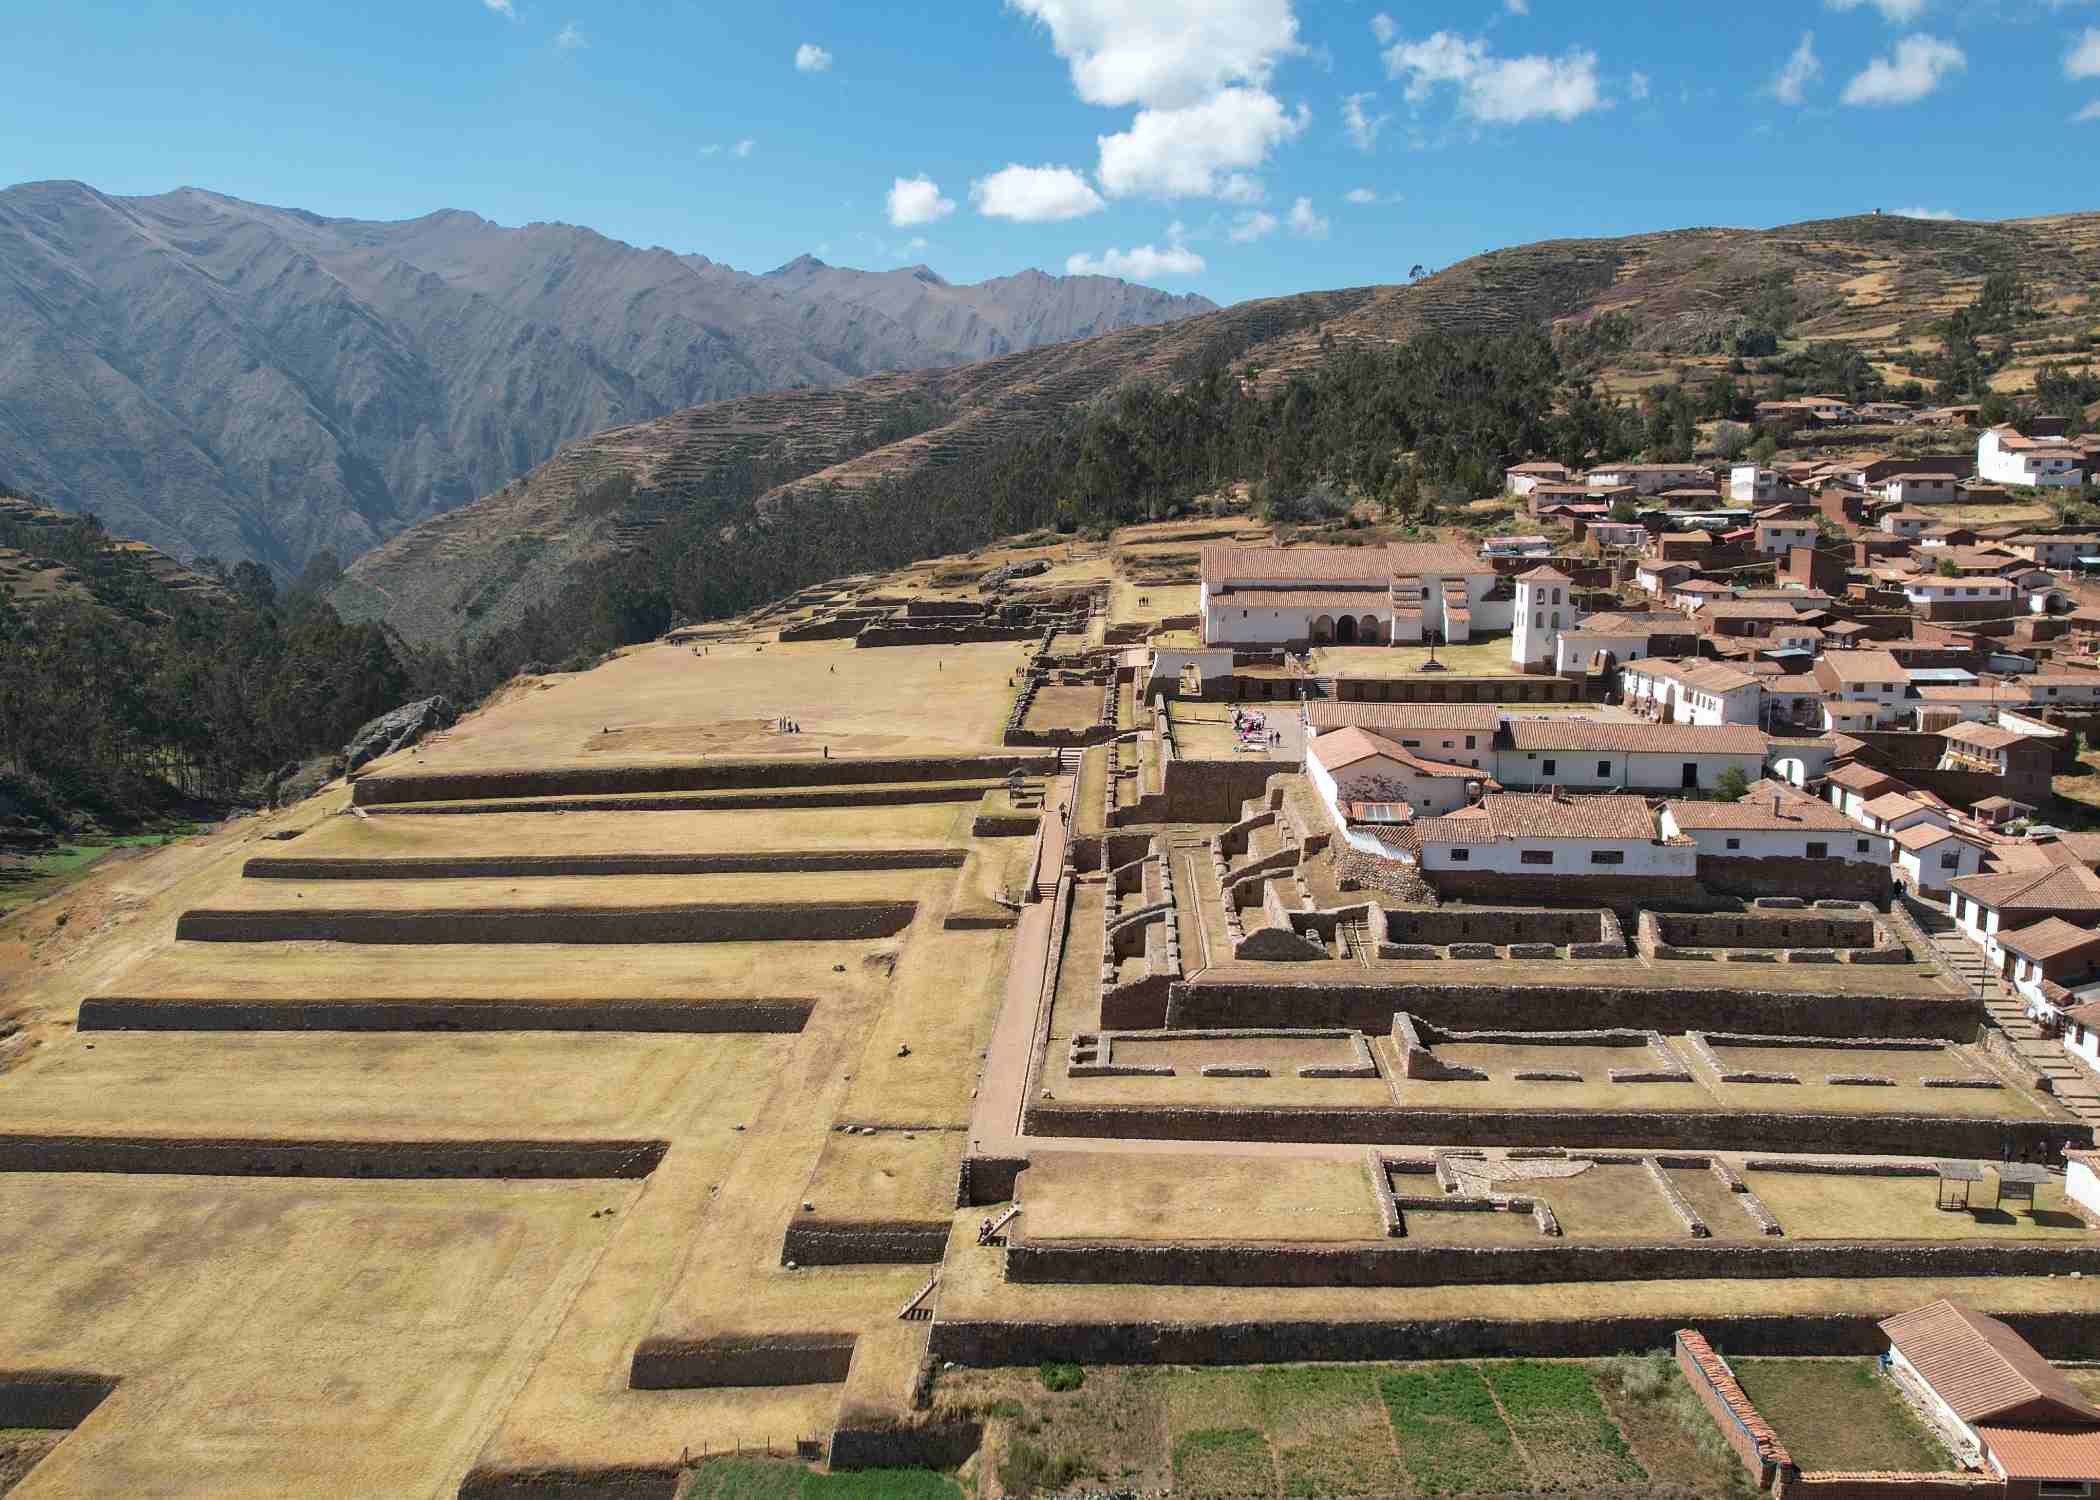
1061	1377
1027	1468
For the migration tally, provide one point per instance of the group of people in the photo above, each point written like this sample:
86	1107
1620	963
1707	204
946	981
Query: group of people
1254	731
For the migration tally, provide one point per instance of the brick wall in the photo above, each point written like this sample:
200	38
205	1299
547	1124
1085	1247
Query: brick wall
1741	1426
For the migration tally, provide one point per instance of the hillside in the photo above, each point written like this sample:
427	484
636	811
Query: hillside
1873	281
222	377
43	559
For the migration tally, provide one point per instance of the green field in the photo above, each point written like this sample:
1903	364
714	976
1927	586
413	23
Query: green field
1839	1414
774	1479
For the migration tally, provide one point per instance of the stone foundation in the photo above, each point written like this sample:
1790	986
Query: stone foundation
695	922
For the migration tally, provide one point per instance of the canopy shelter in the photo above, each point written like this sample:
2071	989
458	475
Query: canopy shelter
1957	1180
2017	1181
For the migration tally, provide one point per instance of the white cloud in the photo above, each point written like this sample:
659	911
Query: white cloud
2087	115
1895	12
1254	226
917	200
1360	196
1035	195
1517	7
1802	68
1242	187
1637	86
1362	126
1201	151
1142	262
1944	214
1917	66
1384	28
2083	60
810	58
503	8
744	147
572	38
917	242
1305	223
1165	54
1499	90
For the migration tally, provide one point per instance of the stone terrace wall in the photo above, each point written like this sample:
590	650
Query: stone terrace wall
1399	1264
1676	1130
1848	880
1622	892
273	867
693	922
1196	1004
618	1482
991	1343
189	1156
50	1398
886	1242
125	1013
850	796
1784	929
692	776
665	1364
1439	926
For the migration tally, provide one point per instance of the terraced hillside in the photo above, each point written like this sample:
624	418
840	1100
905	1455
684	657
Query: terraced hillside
29	576
1874	280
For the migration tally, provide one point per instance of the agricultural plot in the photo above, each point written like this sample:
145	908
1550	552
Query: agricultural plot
1840	1414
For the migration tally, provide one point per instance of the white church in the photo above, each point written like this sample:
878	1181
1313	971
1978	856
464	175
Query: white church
1399	594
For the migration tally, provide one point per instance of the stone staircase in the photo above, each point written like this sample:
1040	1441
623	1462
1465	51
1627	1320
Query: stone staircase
2073	1086
1068	763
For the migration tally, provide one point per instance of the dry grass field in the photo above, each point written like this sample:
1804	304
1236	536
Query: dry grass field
1075	1196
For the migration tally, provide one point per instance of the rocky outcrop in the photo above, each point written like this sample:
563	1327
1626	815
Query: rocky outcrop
396	731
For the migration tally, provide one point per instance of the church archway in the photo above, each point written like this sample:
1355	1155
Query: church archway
1345	631
1323	628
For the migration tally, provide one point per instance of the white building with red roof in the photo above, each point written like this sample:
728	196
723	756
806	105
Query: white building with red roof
1398	594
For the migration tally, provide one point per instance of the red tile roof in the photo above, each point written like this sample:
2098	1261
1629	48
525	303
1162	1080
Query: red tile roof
2044	1453
1982	1369
1661	739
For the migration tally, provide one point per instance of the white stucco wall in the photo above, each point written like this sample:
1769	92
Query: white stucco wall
1570	857
1788	844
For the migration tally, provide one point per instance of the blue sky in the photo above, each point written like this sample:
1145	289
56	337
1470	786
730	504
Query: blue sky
1239	148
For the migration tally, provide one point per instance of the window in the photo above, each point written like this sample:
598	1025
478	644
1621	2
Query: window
1735	843
1607	856
1859	846
1556	619
1469	742
1460	856
1818	851
1604	768
1538	621
1548	767
1535	857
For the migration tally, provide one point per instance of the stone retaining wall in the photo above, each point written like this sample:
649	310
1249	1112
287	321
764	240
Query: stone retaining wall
669	1364
235	1157
50	1398
1440	926
990	1343
1845	879
122	1013
523	866
887	1242
863	796
1400	1264
1196	1003
691	776
692	922
1678	1130
616	1482
1624	892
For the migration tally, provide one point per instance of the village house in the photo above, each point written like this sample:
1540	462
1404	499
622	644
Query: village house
2054	551
1692	692
1987	906
1656	577
1776	537
1460	733
1866	689
1737	840
1537	838
1352	767
1894	812
2055	967
1752	483
1605	641
1995	1401
1651	479
1559	751
1905	523
1929	858
2061	686
1694	594
1522	479
1918	488
2004	456
1516	546
1850	787
1694	546
2021	760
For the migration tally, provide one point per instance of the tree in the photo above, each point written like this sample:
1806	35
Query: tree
1731	439
1765	449
1622	509
1731	785
1948	568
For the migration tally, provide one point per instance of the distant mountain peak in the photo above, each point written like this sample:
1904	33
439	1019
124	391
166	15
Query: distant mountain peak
926	274
801	265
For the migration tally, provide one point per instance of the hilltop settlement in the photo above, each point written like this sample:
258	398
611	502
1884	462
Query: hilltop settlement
909	1024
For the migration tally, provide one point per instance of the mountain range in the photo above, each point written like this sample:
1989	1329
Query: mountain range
1676	300
227	378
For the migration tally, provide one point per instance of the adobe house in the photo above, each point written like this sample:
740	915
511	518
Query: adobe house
1999	1405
